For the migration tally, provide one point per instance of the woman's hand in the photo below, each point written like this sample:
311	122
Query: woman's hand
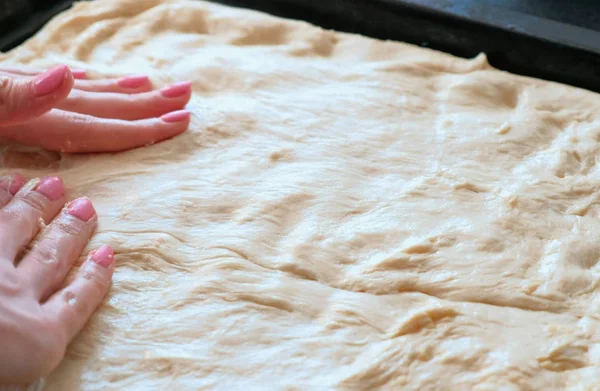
60	110
38	316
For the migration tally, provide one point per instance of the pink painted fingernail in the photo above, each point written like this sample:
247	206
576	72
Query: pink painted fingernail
82	208
176	90
17	182
50	80
79	73
104	256
12	183
133	81
52	187
176	116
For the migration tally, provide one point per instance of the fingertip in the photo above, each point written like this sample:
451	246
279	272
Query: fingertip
79	74
103	256
179	116
82	209
17	182
12	183
68	83
51	187
26	99
51	81
177	90
174	123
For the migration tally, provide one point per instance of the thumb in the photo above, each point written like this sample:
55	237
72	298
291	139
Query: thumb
24	99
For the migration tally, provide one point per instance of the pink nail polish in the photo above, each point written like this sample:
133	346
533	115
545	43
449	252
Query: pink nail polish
79	73
104	256
82	208
12	183
176	90
52	187
50	80
176	116
133	81
16	183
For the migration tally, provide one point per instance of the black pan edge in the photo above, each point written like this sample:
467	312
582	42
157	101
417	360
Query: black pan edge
515	42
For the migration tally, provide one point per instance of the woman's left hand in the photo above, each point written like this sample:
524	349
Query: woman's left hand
61	110
39	313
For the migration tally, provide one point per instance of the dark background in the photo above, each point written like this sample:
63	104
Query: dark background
585	13
551	39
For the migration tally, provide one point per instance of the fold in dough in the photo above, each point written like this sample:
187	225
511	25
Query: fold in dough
344	213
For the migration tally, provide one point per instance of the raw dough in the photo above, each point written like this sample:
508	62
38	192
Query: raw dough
344	213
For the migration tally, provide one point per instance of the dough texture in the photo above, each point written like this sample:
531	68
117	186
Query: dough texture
344	213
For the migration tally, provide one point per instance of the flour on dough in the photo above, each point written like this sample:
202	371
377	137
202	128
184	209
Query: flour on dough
344	213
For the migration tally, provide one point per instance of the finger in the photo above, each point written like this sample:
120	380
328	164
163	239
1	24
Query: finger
73	132
72	306
20	218
125	85
128	107
24	99
77	73
9	186
46	265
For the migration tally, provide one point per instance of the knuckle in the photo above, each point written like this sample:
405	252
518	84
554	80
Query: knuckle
71	227
91	275
82	122
130	100
10	96
44	253
76	303
83	128
11	284
33	200
74	135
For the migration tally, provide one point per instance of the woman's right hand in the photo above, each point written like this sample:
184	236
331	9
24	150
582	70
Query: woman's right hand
56	111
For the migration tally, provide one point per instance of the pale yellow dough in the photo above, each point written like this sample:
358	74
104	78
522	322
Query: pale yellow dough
343	214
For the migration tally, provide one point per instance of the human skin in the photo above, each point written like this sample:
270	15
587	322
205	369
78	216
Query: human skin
61	110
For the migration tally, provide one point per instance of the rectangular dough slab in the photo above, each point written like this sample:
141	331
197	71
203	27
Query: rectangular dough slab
344	213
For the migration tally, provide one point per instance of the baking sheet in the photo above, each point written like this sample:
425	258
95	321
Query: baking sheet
514	38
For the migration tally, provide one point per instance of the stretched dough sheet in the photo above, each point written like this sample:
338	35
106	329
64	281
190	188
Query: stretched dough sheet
343	213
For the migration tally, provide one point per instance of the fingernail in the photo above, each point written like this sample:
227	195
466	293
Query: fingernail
50	80
176	116
12	183
17	182
177	89
82	208
133	81
79	73
52	187
103	256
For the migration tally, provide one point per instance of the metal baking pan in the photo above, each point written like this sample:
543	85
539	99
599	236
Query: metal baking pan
548	39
